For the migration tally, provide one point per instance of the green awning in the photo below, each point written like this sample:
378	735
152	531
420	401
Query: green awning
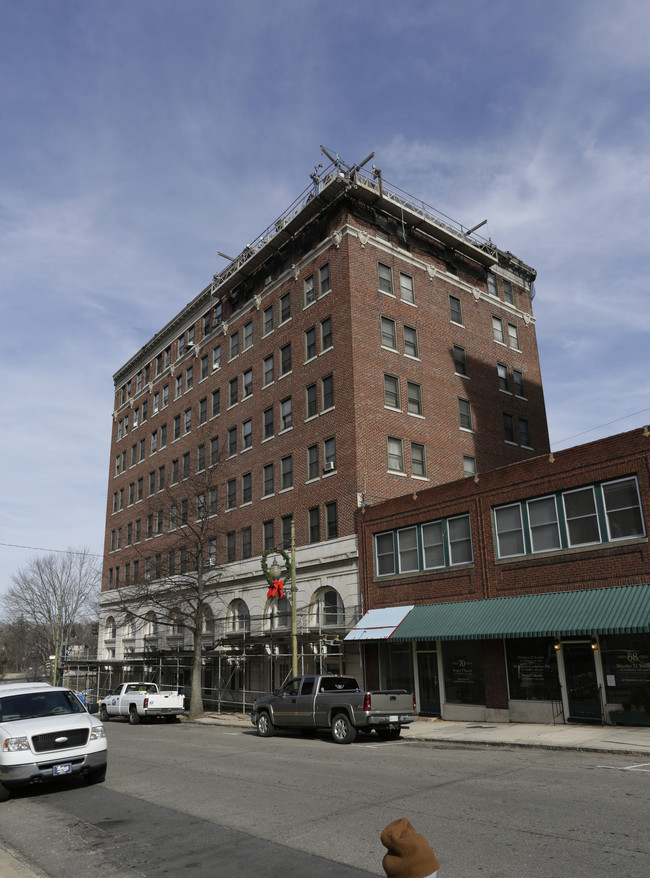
624	609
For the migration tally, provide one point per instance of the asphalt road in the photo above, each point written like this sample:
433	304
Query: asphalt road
213	801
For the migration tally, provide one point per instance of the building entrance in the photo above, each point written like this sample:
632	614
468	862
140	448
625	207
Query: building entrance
429	689
583	693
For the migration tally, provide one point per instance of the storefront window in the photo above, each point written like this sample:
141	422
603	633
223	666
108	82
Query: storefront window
532	670
463	664
626	668
396	666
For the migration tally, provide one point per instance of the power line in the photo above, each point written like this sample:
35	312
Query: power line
41	549
600	426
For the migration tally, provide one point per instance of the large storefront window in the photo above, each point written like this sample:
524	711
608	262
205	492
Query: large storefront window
626	667
532	670
463	664
396	666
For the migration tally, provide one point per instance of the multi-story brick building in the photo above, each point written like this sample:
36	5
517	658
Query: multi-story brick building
362	347
522	594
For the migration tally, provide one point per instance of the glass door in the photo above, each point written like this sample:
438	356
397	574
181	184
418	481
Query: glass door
429	690
581	682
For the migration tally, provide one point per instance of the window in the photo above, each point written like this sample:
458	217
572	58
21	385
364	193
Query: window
285	359
203	410
214	451
173	516
581	517
246	488
287	521
411	342
216	402
414	398
469	465
268	535
388	334
460	540
286	466
161	477
232	441
248	383
165	396
407	550
326	334
267	371
216	357
543	523
497	330
184	511
385	278
159	522
492	285
460	361
188	420
507	292
152	484
418	460
189	378
190	336
384	554
329	454
179	387
513	336
331	521
186	465
328	392
406	290
312	462
267	320
455	312
231	494
268	479
138	531
233	392
268	425
207	323
524	433
285	413
324	279
310	343
177	427
234	345
142	449
395	455
310	292
230	546
433	545
502	374
248	335
312	401
623	509
247	434
391	392
149	526
509	428
518	381
214	501
156	402
181	345
139	489
465	414
200	458
314	525
285	307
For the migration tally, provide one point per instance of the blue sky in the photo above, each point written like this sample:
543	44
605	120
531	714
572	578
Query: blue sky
139	137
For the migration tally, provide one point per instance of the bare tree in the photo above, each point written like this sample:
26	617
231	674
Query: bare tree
51	594
177	580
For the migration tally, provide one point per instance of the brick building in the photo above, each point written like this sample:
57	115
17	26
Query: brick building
361	348
522	594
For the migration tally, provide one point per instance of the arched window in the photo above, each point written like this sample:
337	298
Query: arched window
327	610
238	618
150	627
280	613
129	628
207	621
111	629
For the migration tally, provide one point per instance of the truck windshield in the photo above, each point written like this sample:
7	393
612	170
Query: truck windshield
31	705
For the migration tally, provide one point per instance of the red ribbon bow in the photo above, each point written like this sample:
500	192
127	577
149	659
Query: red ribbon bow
276	590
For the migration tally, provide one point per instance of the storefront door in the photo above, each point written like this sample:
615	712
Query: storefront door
581	682
429	690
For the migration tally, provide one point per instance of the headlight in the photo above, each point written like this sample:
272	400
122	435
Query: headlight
97	732
13	745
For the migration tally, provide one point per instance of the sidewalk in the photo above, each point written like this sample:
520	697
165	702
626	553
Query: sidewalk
565	736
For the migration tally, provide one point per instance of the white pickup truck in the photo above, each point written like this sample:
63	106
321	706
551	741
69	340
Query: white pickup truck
47	734
139	701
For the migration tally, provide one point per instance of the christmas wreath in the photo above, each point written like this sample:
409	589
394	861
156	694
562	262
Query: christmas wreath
276	586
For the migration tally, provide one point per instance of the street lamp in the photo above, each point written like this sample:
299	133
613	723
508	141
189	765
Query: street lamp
272	575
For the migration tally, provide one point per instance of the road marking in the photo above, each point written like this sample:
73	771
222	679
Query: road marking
642	766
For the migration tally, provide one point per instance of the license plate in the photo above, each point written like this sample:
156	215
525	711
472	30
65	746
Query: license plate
393	719
64	768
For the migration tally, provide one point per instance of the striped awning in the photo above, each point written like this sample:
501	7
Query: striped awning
378	624
620	610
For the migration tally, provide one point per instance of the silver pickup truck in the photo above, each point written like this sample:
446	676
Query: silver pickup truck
336	703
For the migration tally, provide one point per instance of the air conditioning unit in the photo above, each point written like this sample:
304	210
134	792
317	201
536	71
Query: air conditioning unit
328	467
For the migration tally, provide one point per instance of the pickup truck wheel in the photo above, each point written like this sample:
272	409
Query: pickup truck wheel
389	734
103	713
265	727
343	731
134	717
